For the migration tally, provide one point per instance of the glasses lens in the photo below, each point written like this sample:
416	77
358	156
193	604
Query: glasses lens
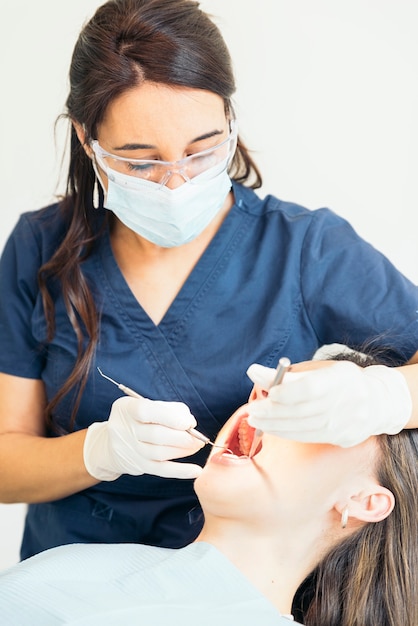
160	171
207	161
148	170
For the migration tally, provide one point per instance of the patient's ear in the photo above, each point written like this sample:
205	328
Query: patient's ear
373	504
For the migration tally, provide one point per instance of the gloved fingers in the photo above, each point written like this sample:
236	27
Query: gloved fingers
261	411
317	427
159	435
159	452
301	435
170	469
263	376
310	429
314	429
317	436
152	441
175	415
323	383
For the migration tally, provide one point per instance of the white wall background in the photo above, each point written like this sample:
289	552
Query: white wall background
327	99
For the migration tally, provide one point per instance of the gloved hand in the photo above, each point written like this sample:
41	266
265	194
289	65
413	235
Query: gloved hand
341	404
140	437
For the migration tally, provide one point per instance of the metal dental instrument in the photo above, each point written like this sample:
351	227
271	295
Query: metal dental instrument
282	367
130	392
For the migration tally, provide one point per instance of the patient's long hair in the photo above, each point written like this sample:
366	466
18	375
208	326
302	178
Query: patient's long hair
371	579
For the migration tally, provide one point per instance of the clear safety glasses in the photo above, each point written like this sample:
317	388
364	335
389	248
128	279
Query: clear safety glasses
160	171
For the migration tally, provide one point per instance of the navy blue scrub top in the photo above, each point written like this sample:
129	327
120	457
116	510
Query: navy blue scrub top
276	280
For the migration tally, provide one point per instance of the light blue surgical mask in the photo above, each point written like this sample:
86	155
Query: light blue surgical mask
167	217
137	193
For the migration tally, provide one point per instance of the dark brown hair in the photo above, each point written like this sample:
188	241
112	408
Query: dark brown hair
125	43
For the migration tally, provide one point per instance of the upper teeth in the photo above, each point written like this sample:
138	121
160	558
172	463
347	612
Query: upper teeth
245	434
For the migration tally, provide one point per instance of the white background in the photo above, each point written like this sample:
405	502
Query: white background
327	99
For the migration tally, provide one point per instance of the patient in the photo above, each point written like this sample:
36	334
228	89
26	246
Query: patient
348	514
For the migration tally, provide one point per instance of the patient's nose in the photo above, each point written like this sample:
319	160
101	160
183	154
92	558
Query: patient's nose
257	393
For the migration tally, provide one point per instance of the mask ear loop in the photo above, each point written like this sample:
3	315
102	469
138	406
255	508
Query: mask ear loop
96	199
97	180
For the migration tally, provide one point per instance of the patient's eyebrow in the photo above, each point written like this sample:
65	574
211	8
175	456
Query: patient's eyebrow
148	146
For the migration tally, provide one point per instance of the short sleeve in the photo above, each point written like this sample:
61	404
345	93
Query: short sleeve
353	294
21	353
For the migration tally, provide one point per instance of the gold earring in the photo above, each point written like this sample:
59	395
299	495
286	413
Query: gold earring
344	517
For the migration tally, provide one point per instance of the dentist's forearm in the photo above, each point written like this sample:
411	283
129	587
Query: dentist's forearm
39	469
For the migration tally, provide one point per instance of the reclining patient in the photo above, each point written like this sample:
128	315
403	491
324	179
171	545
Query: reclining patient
346	514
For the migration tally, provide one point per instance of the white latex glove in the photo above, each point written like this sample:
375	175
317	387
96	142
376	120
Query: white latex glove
342	404
140	437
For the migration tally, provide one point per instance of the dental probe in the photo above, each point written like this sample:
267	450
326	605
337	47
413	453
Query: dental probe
282	367
130	392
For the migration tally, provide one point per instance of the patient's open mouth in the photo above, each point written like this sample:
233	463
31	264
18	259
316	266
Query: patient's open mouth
241	436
